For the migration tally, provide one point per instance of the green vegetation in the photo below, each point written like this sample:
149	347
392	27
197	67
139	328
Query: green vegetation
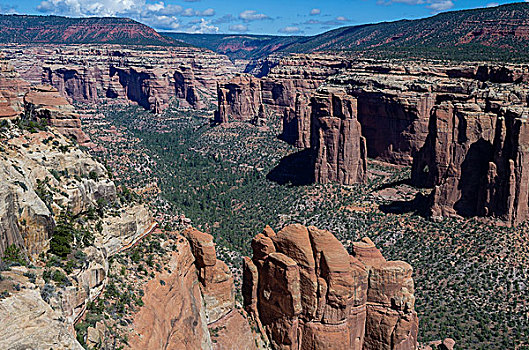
456	35
482	34
31	125
14	255
243	46
65	30
470	276
69	234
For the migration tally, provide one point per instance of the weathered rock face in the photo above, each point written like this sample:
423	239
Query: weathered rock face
28	204
285	84
12	90
239	99
45	103
474	153
173	316
393	113
44	174
191	304
231	328
113	73
462	127
30	323
339	149
394	101
150	79
306	292
76	82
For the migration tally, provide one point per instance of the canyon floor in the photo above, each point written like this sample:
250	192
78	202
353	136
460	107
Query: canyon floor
231	180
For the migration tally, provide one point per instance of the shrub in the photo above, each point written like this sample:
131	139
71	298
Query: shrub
93	175
59	277
47	292
62	237
31	276
13	255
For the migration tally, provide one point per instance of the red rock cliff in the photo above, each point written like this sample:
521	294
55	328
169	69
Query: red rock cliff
339	149
113	73
307	292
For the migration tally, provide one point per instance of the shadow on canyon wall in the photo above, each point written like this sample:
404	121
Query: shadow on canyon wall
294	170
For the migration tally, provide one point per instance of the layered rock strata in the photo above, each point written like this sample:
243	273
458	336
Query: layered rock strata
475	160
151	78
339	149
239	99
44	103
461	126
280	87
12	90
218	291
307	292
43	174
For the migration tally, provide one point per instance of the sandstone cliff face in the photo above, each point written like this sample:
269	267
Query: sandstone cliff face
460	126
393	111
228	324
151	79
41	175
307	292
239	99
475	160
45	103
78	82
28	205
12	90
121	74
44	174
339	149
30	323
281	87
173	316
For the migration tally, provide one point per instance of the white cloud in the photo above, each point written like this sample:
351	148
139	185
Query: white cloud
166	22
92	7
289	30
156	14
494	4
204	27
195	13
251	15
342	19
241	28
434	5
314	12
7	9
438	6
208	12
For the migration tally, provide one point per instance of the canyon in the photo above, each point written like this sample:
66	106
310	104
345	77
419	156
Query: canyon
398	106
153	78
435	117
88	262
48	179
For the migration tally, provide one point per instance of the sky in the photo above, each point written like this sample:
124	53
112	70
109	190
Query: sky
277	17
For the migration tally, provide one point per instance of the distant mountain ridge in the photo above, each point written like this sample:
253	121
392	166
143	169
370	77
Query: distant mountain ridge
64	30
495	33
237	46
500	32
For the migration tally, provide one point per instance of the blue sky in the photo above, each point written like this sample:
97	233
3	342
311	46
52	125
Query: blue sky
287	17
